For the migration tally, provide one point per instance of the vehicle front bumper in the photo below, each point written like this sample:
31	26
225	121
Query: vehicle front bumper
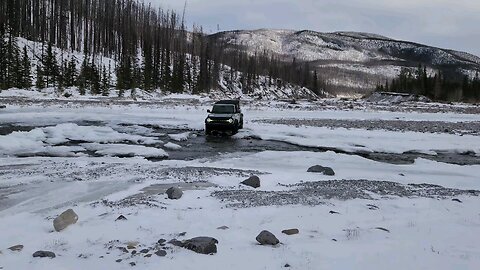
219	126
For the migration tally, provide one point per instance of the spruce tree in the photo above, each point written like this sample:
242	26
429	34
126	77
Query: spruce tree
12	64
82	77
93	79
124	74
40	81
50	67
3	63
70	73
26	69
316	87
106	81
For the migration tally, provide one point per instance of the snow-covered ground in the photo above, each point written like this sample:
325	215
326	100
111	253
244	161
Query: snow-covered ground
106	159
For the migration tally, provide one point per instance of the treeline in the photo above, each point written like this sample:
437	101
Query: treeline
150	48
439	86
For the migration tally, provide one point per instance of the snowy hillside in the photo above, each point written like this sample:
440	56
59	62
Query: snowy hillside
227	87
351	54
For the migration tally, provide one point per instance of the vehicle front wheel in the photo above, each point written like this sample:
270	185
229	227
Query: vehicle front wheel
235	128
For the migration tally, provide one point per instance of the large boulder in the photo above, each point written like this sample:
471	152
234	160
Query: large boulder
202	245
44	254
267	238
66	219
323	170
252	181
174	193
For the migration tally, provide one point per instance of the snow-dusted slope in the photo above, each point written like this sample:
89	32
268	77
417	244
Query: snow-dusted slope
227	87
351	54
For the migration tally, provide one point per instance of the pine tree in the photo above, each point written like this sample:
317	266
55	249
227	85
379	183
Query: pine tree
124	74
106	81
3	62
12	64
26	69
50	67
70	73
40	81
316	87
82	77
94	79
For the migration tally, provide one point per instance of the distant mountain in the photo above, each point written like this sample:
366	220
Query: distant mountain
350	60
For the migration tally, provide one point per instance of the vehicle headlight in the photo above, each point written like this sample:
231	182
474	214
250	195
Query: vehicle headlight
209	120
230	121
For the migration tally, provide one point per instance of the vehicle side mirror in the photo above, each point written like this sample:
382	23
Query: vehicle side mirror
209	111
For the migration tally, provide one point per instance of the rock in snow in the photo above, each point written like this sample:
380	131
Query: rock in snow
66	219
202	245
161	253
120	218
323	170
174	193
44	254
16	248
253	181
267	238
291	231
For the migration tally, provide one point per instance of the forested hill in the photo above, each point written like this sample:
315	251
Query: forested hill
66	43
352	61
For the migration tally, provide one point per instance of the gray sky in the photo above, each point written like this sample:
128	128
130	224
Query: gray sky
453	24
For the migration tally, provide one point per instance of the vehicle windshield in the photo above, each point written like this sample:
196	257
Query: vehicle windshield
223	109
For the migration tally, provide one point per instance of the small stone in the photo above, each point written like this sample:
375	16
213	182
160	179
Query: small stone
123	249
267	238
291	231
144	251
119	260
182	234
323	170
334	240
66	219
202	245
44	254
334	212
252	181
223	228
174	193
457	200
161	241
131	247
175	242
132	264
121	218
161	253
286	265
134	252
16	248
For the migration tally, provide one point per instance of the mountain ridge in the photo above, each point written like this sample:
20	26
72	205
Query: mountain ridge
352	60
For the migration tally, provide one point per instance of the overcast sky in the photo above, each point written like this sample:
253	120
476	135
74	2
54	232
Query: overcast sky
453	24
